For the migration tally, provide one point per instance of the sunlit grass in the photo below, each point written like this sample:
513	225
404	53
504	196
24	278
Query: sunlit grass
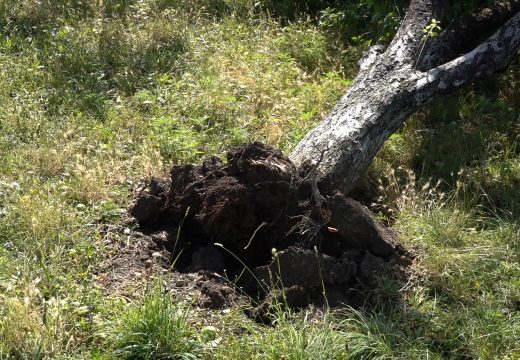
156	328
94	99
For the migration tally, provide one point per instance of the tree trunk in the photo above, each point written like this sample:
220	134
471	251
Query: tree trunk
390	87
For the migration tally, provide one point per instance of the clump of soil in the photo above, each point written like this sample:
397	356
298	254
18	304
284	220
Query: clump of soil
257	209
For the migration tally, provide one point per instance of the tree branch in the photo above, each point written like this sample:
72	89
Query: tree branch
388	90
405	47
491	56
466	32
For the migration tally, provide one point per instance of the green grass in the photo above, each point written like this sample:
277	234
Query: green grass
156	328
309	336
94	99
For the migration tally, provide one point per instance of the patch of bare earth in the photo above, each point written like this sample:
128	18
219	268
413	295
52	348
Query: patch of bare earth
256	227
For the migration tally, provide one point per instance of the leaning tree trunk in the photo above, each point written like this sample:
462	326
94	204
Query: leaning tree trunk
393	84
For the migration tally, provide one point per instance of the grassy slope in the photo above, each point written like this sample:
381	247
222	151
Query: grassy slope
93	101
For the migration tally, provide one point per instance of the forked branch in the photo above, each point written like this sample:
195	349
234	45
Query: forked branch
493	55
466	32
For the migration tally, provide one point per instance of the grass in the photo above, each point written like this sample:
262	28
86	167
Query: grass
290	339
95	96
156	328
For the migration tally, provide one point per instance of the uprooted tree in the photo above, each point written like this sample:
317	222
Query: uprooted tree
284	220
414	70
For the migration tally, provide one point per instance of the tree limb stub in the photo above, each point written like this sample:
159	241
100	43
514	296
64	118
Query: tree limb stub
406	45
388	89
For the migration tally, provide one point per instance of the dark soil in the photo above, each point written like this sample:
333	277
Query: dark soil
298	238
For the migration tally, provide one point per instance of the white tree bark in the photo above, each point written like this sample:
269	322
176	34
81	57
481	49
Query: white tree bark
389	88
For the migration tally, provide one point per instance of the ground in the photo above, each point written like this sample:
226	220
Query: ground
251	225
97	98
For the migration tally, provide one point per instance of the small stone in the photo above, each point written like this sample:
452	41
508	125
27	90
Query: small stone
157	255
160	236
180	283
215	342
148	264
226	311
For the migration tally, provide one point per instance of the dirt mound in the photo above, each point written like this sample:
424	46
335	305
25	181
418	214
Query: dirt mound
258	210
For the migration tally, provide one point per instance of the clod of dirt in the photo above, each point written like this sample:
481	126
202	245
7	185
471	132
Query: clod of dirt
259	210
305	268
359	227
214	295
292	297
148	205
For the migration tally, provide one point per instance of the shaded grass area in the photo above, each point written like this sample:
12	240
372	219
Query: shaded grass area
94	98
